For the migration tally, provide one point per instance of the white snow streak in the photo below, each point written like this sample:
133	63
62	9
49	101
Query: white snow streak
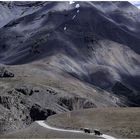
77	11
71	2
77	6
73	16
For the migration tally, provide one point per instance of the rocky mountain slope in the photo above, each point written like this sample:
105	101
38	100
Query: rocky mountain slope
36	92
60	56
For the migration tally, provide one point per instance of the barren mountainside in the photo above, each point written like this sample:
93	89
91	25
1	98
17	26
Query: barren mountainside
57	57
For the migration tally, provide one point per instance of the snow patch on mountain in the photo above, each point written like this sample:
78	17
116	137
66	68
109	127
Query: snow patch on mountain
65	28
77	5
71	2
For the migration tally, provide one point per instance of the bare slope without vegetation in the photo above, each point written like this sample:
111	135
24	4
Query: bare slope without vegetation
58	56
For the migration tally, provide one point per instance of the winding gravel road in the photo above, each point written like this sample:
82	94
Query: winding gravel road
43	124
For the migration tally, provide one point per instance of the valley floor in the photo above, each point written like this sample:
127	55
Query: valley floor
117	122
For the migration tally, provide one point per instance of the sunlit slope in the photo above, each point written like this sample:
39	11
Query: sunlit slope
117	122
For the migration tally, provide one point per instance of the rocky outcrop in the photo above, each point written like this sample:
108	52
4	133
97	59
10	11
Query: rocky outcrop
75	103
4	73
6	101
25	104
25	90
37	113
